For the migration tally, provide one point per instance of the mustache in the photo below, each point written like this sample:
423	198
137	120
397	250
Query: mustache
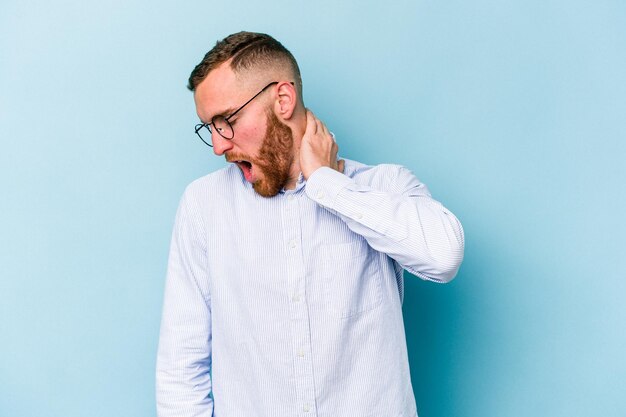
230	157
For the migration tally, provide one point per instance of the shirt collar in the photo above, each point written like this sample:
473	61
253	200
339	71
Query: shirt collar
300	183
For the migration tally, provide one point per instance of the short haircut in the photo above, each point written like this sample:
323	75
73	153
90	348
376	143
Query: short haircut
249	51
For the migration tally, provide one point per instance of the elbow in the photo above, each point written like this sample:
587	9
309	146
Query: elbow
447	271
440	248
446	257
449	267
442	268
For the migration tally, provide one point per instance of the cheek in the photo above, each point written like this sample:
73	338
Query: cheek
251	136
242	134
257	133
251	133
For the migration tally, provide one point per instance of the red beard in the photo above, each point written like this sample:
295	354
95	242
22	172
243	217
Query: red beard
273	163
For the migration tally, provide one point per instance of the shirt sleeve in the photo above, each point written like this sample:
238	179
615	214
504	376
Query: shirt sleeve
398	217
183	381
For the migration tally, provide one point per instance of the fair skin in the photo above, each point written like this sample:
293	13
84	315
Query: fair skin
223	91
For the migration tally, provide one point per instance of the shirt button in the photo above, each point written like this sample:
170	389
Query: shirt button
306	408
292	244
291	197
359	216
320	194
301	354
296	298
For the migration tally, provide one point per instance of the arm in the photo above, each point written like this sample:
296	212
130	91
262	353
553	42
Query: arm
183	382
398	218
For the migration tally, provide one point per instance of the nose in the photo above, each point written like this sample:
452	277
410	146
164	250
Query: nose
221	145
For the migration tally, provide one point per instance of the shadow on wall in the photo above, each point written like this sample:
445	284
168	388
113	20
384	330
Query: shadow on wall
431	316
451	330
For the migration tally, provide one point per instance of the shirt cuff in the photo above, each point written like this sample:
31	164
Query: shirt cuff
325	184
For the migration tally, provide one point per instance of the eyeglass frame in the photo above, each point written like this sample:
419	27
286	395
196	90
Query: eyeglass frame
226	118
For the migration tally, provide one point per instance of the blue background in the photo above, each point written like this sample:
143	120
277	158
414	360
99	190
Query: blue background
513	112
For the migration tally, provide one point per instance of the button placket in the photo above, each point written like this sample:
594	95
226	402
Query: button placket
298	308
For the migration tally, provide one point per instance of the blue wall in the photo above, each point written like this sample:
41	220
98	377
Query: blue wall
512	112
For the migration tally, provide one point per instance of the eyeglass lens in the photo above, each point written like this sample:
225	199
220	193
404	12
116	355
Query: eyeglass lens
221	126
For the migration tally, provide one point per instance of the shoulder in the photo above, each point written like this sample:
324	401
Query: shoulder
391	177
357	169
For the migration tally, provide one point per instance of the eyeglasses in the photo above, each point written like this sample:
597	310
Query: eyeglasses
221	124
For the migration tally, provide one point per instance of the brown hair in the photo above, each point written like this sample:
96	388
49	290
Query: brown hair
248	50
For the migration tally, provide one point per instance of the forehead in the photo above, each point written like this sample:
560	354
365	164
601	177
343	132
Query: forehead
219	93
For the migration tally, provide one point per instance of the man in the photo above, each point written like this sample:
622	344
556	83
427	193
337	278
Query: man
284	287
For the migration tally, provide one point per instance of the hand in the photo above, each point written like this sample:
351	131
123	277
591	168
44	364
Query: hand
318	147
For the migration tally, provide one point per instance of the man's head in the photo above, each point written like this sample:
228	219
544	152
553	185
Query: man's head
248	52
267	130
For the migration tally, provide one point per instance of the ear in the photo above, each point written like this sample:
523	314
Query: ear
287	97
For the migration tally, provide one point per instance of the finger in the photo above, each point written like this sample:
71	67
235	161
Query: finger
320	125
325	129
311	125
334	150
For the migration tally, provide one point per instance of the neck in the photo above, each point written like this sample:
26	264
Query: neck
298	127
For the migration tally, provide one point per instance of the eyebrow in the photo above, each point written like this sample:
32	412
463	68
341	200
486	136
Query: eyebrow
225	113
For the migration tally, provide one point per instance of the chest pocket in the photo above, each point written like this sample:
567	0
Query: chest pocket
352	277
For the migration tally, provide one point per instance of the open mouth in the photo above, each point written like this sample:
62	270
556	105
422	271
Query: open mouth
246	168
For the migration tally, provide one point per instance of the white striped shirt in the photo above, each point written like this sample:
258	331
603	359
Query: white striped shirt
292	305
